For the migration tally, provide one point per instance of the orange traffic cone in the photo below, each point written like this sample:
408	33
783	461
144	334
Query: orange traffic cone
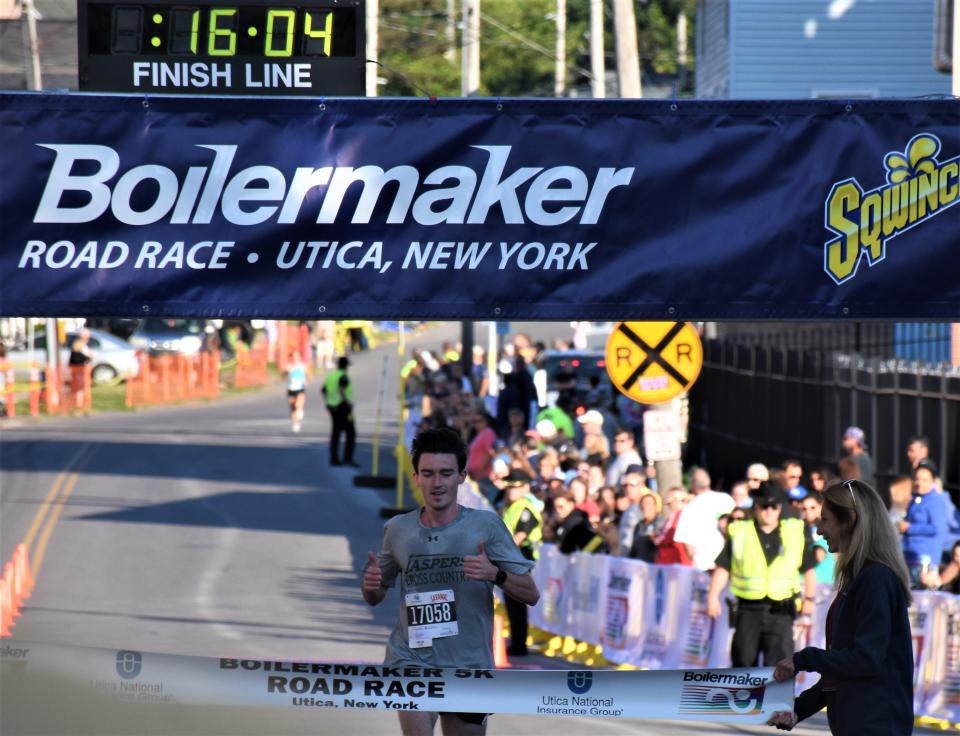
499	644
21	565
9	576
6	607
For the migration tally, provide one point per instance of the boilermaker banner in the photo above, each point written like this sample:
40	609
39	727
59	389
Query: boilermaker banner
480	208
746	695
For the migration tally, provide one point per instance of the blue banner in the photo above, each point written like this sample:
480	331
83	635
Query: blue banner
483	209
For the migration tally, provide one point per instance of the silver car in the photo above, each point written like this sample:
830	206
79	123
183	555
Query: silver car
112	358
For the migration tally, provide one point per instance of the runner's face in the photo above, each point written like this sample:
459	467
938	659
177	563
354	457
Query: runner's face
438	477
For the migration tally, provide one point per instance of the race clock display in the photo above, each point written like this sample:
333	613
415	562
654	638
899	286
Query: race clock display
207	47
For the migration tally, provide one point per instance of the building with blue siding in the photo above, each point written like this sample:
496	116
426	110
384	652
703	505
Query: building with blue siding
800	49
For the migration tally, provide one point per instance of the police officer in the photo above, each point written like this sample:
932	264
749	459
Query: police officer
338	395
763	560
523	519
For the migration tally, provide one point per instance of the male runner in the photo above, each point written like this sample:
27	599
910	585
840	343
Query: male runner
444	548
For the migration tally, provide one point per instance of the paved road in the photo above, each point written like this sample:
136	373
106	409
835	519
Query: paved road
211	529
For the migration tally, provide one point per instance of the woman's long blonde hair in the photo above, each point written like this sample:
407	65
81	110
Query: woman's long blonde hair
871	534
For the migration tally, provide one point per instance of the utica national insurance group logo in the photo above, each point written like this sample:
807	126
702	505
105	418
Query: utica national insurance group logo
707	693
918	187
129	664
579	682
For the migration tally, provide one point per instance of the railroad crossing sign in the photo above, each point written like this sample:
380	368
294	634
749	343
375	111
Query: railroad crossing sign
652	362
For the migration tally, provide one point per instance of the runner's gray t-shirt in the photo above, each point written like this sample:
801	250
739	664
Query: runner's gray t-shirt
430	560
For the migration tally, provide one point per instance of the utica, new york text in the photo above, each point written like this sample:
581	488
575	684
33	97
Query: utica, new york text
434	256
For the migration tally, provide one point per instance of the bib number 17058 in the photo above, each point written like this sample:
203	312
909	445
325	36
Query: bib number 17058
431	613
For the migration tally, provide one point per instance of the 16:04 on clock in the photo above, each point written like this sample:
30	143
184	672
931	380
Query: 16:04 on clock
222	31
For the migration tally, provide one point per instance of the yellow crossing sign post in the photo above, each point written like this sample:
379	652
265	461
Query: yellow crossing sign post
651	362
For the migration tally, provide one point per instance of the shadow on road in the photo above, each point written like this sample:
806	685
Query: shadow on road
248	464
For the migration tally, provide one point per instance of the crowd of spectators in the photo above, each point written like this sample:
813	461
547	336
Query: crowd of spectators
596	494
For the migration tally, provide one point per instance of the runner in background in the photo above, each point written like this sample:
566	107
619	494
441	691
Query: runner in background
448	559
296	389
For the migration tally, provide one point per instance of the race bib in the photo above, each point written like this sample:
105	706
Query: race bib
430	616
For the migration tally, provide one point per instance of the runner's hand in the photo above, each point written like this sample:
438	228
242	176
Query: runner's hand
479	567
373	575
784	720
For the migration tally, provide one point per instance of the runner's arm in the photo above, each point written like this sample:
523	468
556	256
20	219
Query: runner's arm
521	588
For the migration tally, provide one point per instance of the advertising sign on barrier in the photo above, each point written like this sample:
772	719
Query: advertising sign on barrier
655	616
587	600
943	688
623	624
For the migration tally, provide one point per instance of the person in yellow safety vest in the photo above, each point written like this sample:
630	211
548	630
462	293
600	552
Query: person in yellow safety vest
764	559
338	395
449	352
523	520
354	328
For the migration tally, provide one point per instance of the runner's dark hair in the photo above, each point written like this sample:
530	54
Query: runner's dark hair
439	441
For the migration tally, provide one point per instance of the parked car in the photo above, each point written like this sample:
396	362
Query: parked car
159	336
121	327
570	371
113	358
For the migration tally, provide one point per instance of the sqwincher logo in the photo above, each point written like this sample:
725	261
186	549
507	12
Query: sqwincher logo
917	187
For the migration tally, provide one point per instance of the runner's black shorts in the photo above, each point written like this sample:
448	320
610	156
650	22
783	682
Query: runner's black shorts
294	394
477	718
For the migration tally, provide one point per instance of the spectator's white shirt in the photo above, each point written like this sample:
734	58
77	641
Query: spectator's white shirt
698	527
619	465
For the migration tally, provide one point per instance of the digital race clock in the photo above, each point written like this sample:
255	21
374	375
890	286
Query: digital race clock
316	47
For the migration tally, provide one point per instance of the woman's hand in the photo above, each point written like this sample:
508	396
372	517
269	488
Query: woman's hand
784	670
784	720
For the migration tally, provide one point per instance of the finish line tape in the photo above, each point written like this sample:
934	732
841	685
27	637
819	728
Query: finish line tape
746	695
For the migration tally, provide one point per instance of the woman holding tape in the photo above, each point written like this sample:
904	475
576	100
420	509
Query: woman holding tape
866	671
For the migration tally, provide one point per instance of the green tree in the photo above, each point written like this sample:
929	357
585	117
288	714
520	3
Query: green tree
517	45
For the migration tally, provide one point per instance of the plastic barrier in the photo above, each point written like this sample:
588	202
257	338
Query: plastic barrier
251	366
162	379
655	616
15	586
11	391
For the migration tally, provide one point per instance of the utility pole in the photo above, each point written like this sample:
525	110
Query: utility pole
681	49
955	52
628	58
451	32
560	74
30	45
598	85
373	23
466	346
470	54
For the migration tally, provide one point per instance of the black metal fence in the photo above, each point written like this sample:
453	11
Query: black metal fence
759	403
929	342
